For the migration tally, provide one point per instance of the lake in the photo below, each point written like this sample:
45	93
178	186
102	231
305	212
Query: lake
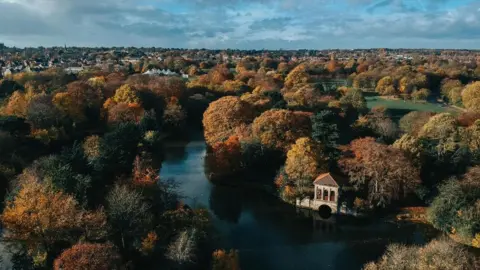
270	234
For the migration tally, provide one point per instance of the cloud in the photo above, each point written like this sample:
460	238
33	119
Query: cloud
242	23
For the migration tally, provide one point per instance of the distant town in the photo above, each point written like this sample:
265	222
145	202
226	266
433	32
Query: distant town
176	62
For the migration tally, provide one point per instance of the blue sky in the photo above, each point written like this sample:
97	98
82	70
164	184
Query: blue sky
242	24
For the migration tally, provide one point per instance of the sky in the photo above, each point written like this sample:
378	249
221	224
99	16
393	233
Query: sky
242	24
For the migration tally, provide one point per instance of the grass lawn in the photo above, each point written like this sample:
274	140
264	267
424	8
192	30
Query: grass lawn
398	108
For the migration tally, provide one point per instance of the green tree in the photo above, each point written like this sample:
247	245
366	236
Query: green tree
118	150
354	98
325	131
456	209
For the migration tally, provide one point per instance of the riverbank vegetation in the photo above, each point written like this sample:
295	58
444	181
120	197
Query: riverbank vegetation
80	156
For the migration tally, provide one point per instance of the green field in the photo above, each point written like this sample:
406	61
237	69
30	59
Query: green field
399	108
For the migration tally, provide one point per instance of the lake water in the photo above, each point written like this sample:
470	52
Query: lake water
272	235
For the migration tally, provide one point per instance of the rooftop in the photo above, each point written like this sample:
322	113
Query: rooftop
326	179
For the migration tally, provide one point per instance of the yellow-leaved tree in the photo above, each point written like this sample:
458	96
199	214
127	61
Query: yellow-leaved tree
471	97
305	161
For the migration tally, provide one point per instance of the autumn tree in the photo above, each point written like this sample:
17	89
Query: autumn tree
233	87
223	116
298	75
17	105
226	157
354	98
167	87
440	127
42	217
279	129
386	86
88	257
219	74
305	161
174	116
421	94
81	101
126	94
471	97
383	170
124	113
437	254
223	260
451	89
413	122
91	147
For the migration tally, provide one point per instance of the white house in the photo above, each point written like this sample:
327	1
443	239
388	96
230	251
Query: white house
326	194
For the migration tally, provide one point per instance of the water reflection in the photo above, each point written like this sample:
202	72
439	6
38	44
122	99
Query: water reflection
273	235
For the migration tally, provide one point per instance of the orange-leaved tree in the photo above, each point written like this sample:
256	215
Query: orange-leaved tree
279	129
88	256
223	116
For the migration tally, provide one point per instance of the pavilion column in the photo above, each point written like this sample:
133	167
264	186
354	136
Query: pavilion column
315	195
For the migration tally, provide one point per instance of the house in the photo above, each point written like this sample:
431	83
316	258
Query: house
326	194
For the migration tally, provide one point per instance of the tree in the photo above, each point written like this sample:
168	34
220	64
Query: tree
14	125
126	94
7	87
174	116
355	98
298	75
421	94
226	157
305	161
386	86
91	147
128	215
88	257
448	88
383	170
279	129
39	215
118	150
168	87
456	209
413	122
325	131
233	87
471	97
125	113
223	260
219	74
182	249
41	112
81	102
440	126
59	171
223	116
17	105
437	254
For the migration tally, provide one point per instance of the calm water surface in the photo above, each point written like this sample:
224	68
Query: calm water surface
272	235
